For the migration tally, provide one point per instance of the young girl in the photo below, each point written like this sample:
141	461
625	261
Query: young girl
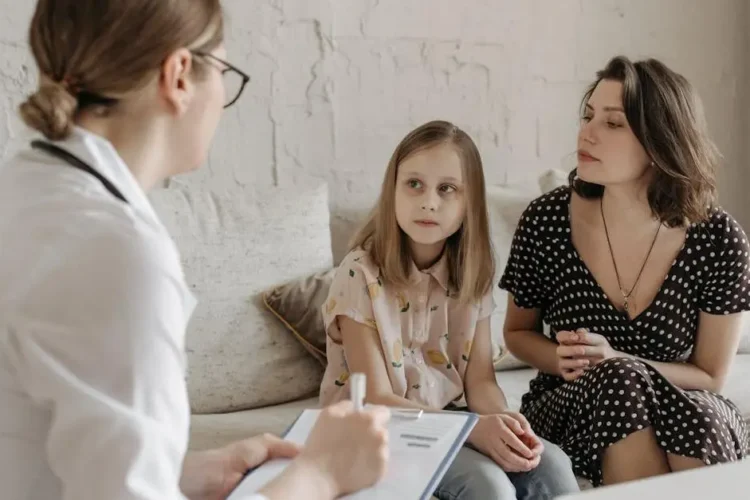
410	307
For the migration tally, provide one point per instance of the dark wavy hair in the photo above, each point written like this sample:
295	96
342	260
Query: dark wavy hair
666	116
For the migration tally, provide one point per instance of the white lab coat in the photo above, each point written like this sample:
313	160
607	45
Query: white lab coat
93	311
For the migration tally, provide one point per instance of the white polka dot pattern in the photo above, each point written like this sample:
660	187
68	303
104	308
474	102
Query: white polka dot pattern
618	397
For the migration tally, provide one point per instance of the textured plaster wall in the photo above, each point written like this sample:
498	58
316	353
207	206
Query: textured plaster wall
336	83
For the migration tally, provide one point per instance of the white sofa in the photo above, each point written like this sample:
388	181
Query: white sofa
216	429
248	373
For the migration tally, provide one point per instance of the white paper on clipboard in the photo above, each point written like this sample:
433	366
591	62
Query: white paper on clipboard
421	451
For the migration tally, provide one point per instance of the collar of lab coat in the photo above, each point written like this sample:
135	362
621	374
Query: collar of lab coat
102	156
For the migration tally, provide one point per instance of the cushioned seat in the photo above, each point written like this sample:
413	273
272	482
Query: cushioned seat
217	429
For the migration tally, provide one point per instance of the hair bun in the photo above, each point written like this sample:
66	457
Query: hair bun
50	110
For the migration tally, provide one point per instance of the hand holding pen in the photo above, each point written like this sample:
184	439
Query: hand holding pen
349	444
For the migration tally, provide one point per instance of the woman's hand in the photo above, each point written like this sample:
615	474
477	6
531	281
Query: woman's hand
580	350
213	474
507	439
345	452
348	447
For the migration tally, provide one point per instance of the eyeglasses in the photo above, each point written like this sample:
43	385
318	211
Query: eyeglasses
234	78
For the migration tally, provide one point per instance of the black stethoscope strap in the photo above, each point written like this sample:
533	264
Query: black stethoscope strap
76	162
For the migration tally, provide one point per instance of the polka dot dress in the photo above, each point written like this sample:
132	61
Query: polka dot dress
620	396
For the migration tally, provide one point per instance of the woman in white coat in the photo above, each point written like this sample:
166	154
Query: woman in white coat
93	303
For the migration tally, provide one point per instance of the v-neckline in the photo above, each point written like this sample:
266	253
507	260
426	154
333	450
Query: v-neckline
622	314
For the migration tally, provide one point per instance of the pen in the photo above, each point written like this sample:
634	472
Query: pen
357	388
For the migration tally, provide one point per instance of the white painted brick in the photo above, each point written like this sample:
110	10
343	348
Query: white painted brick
558	110
243	158
304	145
349	17
484	21
299	78
337	83
554	33
694	36
522	130
14	20
320	10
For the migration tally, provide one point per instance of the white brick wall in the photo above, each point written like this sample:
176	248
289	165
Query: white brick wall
336	83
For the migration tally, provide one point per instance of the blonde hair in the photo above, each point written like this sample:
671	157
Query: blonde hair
471	262
95	52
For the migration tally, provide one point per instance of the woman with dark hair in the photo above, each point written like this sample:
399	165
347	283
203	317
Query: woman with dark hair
643	280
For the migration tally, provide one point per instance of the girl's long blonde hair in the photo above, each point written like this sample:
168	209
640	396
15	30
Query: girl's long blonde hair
471	262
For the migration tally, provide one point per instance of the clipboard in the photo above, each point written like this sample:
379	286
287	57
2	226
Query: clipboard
422	448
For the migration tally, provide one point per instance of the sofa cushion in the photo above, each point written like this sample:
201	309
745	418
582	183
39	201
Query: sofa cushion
506	205
737	387
210	431
234	245
213	431
745	336
298	305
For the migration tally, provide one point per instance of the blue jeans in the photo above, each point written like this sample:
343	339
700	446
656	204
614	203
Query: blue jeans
473	476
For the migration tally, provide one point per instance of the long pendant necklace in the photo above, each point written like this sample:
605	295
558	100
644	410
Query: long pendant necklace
625	294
